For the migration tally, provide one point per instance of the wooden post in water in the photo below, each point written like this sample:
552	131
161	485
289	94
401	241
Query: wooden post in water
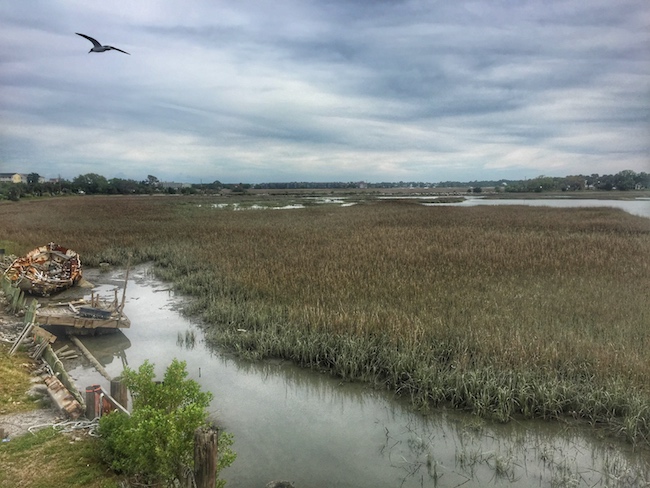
92	401
205	457
119	392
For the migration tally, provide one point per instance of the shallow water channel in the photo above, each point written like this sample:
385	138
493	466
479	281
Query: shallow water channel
310	428
638	206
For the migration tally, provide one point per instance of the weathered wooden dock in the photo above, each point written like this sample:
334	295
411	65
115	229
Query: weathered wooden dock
80	316
85	316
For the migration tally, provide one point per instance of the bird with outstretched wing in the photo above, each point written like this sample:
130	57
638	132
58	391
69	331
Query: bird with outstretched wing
97	47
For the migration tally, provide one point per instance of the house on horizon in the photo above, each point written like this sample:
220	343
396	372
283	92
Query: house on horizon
174	185
13	178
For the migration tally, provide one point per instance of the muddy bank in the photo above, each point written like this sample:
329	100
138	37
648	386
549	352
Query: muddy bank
17	424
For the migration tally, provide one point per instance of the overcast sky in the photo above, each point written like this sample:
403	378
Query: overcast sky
325	90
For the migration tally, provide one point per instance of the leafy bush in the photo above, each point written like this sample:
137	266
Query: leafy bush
156	443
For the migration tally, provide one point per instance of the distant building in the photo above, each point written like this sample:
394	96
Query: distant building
13	178
174	185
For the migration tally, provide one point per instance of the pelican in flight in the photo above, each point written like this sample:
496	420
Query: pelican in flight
97	47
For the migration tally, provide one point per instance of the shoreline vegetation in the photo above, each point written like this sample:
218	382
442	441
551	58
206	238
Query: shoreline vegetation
33	185
506	312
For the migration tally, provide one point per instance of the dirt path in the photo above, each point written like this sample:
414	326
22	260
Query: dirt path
17	424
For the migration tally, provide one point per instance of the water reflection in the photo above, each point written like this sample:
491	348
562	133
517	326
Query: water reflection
639	206
297	381
307	427
527	454
111	346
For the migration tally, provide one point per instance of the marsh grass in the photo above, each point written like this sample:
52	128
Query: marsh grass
187	340
15	381
9	247
503	311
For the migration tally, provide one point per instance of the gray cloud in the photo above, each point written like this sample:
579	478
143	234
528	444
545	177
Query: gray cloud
377	91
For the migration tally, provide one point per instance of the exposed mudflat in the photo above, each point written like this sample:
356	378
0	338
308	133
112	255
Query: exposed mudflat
17	424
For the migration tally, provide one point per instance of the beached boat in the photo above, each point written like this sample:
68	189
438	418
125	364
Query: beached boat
46	270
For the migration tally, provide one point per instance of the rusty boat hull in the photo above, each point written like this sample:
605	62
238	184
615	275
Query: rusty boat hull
46	270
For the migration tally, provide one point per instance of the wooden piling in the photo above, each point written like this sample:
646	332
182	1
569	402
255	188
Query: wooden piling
205	457
92	402
99	403
119	392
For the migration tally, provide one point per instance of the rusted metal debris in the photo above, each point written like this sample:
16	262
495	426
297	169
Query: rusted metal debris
46	270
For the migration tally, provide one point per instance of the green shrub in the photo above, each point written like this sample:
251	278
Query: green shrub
156	443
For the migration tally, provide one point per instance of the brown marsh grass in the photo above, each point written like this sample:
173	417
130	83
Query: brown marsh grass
503	311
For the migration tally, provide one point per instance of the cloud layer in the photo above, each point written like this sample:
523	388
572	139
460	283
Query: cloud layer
325	91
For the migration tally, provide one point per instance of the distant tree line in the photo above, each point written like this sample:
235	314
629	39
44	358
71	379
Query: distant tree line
89	183
93	183
623	181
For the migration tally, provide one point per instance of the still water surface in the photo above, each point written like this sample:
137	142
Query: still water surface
309	428
638	206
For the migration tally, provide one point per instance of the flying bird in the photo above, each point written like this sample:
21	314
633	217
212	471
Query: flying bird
97	47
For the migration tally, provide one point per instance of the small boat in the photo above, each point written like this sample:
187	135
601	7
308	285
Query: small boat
46	270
